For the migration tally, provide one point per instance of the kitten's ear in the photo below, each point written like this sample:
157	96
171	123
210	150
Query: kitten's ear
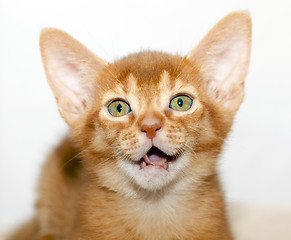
70	69
223	59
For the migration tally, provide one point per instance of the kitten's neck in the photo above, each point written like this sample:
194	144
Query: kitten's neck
185	207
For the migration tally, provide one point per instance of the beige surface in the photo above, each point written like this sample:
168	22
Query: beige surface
250	222
261	222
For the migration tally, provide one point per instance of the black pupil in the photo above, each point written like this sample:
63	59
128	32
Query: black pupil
180	102
119	107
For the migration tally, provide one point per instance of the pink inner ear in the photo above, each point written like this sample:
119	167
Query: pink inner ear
70	67
230	68
223	57
225	67
66	80
226	61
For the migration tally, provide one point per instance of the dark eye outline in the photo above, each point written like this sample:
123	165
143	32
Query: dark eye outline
118	100
181	95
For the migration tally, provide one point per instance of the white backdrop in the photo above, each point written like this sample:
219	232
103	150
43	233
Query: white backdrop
256	163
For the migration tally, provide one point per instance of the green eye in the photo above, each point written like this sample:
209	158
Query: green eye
118	108
181	103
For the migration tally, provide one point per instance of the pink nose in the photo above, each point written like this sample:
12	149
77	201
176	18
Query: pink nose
150	125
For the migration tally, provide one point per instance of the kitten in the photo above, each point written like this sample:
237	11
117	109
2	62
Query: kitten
146	131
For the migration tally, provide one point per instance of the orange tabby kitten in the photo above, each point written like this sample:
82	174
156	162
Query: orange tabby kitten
146	131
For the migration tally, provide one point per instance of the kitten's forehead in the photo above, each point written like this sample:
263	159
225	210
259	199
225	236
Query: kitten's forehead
148	89
149	71
166	87
147	67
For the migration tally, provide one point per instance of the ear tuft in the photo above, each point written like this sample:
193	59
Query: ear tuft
223	59
70	69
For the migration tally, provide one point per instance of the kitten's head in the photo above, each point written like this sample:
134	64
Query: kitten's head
150	119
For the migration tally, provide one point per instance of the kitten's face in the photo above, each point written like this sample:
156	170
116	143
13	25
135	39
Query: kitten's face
150	119
149	123
148	126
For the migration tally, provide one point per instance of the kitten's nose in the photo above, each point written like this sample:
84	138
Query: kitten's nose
150	125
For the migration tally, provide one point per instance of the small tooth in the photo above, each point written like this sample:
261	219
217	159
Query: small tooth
166	165
146	159
143	164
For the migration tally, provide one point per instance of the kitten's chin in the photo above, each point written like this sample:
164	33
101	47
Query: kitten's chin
155	170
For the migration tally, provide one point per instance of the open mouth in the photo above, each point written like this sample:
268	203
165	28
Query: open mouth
156	158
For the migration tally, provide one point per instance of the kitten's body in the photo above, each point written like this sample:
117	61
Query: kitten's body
98	183
171	214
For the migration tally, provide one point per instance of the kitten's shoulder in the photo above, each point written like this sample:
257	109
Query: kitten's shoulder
69	157
62	168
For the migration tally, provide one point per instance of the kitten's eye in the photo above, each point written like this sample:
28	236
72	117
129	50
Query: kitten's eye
181	103
118	108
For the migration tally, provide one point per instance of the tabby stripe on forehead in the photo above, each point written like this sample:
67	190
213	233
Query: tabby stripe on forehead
131	84
165	82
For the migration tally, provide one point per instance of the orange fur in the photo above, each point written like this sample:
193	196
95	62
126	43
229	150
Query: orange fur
92	187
